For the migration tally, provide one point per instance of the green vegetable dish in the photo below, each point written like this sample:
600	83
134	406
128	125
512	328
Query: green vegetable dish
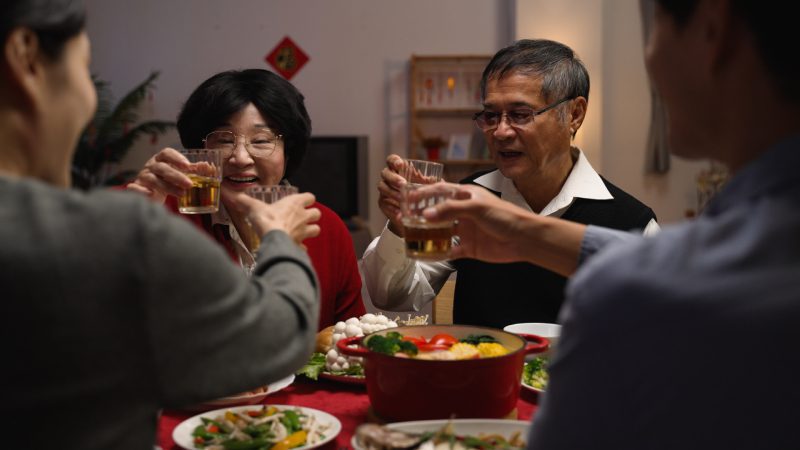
316	365
266	428
534	374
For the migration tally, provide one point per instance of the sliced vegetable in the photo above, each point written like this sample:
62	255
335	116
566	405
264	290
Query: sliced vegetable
291	420
433	347
291	441
416	340
254	444
443	339
256	428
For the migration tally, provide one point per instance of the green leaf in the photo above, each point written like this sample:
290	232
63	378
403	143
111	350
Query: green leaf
476	339
313	367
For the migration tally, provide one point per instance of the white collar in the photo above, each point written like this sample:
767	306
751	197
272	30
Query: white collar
582	182
222	217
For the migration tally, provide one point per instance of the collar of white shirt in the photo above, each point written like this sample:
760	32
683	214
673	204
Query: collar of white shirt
582	182
222	217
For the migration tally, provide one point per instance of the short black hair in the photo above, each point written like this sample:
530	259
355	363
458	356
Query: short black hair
772	25
226	93
54	21
563	74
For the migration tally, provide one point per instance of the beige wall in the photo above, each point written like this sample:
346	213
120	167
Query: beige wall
607	36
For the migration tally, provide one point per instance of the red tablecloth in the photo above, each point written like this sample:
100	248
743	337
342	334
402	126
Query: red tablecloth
349	403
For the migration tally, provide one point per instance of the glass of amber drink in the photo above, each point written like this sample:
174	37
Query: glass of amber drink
205	171
267	194
425	240
418	171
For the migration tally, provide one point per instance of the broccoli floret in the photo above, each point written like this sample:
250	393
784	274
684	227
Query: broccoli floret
390	344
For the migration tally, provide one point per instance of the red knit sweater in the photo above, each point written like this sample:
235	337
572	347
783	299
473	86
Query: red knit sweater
332	255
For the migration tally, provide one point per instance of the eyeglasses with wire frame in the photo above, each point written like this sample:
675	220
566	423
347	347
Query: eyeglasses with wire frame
488	120
261	144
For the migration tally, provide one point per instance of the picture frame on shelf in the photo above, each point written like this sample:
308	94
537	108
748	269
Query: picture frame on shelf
459	147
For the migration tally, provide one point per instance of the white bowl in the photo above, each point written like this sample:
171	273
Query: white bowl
551	331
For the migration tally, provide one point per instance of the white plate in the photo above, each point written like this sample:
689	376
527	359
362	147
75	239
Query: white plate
182	435
531	388
461	427
246	399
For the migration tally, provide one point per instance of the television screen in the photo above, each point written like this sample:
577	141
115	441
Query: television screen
334	170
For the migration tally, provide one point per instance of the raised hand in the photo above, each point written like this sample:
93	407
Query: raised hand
291	214
389	189
163	175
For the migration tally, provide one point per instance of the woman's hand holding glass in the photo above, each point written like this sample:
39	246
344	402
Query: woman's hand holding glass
163	175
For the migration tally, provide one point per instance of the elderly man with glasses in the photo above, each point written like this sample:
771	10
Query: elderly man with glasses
535	94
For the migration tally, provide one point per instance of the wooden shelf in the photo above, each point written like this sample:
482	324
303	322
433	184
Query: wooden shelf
444	94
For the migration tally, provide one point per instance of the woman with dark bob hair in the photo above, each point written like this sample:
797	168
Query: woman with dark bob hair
244	112
114	308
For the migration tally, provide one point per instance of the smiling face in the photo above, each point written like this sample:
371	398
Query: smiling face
242	170
525	151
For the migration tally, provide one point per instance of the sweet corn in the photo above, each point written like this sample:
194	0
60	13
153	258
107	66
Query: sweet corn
464	351
489	349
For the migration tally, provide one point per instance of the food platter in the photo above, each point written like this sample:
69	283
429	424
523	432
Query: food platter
182	435
250	398
536	369
348	379
532	389
460	427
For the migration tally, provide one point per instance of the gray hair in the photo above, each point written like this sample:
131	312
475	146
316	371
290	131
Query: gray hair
563	74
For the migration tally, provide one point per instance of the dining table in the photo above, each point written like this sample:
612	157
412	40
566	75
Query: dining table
347	401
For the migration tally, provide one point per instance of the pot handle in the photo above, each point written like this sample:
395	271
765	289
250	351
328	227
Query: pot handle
536	344
342	346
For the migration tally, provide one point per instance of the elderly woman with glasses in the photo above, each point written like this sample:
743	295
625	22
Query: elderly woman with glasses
534	95
260	123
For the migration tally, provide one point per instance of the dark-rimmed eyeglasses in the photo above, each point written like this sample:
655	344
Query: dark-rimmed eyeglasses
520	117
259	145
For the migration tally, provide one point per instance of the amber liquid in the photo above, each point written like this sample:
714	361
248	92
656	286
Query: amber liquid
250	237
202	197
429	241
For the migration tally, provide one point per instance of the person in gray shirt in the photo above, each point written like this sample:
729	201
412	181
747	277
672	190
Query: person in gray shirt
113	307
686	339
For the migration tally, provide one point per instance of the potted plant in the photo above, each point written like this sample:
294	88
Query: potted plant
111	134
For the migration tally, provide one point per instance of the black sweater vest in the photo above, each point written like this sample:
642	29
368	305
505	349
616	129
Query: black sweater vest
496	295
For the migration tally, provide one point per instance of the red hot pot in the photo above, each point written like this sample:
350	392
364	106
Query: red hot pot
402	389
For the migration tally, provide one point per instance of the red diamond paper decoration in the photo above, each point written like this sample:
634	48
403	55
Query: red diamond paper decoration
287	58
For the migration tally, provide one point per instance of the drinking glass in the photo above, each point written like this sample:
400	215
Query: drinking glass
205	171
267	194
425	240
418	171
